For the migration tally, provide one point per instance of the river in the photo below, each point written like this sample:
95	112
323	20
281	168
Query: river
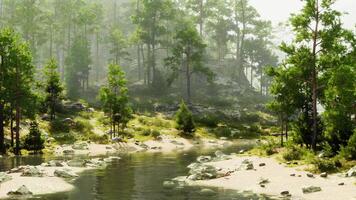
138	176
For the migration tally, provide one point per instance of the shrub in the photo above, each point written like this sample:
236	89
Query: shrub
155	133
34	141
82	125
100	139
184	119
146	132
57	126
325	165
349	152
208	120
270	147
223	132
292	153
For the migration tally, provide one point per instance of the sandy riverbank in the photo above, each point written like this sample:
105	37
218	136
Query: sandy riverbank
280	179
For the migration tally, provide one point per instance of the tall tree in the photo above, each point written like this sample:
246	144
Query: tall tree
187	54
53	87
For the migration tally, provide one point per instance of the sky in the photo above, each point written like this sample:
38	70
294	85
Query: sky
280	10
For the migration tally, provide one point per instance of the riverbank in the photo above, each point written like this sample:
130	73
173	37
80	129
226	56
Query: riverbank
268	176
57	176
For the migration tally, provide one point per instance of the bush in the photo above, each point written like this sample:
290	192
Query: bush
34	141
223	132
155	133
184	119
57	126
82	125
100	139
325	165
349	152
270	147
292	153
208	120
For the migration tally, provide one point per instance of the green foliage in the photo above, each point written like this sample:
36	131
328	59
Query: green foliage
208	120
325	165
184	119
349	152
292	153
34	141
57	126
114	97
77	67
269	147
53	87
83	126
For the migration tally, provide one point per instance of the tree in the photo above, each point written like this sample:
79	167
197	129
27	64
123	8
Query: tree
187	54
151	25
119	44
34	141
16	79
53	87
184	119
114	97
78	61
317	55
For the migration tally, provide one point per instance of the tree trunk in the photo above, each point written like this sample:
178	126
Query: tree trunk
17	130
12	128
138	62
188	77
201	18
314	80
2	142
97	57
282	132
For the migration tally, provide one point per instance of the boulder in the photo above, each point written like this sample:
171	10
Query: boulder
324	175
340	184
76	163
32	171
285	193
177	143
262	164
68	121
169	184
91	110
221	156
351	172
53	163
4	177
207	192
45	117
68	151
80	146
310	175
246	165
65	173
23	190
311	189
199	171
203	159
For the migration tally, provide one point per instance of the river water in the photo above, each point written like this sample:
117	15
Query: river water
138	176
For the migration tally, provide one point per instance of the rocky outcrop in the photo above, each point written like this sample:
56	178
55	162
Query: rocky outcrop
4	177
351	172
32	171
21	191
200	171
246	165
80	146
65	173
311	189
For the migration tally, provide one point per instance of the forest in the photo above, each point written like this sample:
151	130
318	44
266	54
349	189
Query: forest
119	76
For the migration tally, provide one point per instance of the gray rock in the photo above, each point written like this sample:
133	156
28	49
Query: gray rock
263	181
311	189
169	184
23	190
341	184
4	177
285	193
292	174
45	117
310	175
207	192
246	165
221	156
68	152
223	138
177	143
324	175
32	171
91	110
76	163
54	163
203	159
80	146
68	121
65	173
262	164
241	151
199	171
351	172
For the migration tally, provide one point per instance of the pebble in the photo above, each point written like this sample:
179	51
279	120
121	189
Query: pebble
341	184
262	164
324	175
310	175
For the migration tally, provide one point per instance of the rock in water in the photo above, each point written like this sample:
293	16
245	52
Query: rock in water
207	192
311	189
203	159
23	190
200	171
169	184
65	173
76	163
